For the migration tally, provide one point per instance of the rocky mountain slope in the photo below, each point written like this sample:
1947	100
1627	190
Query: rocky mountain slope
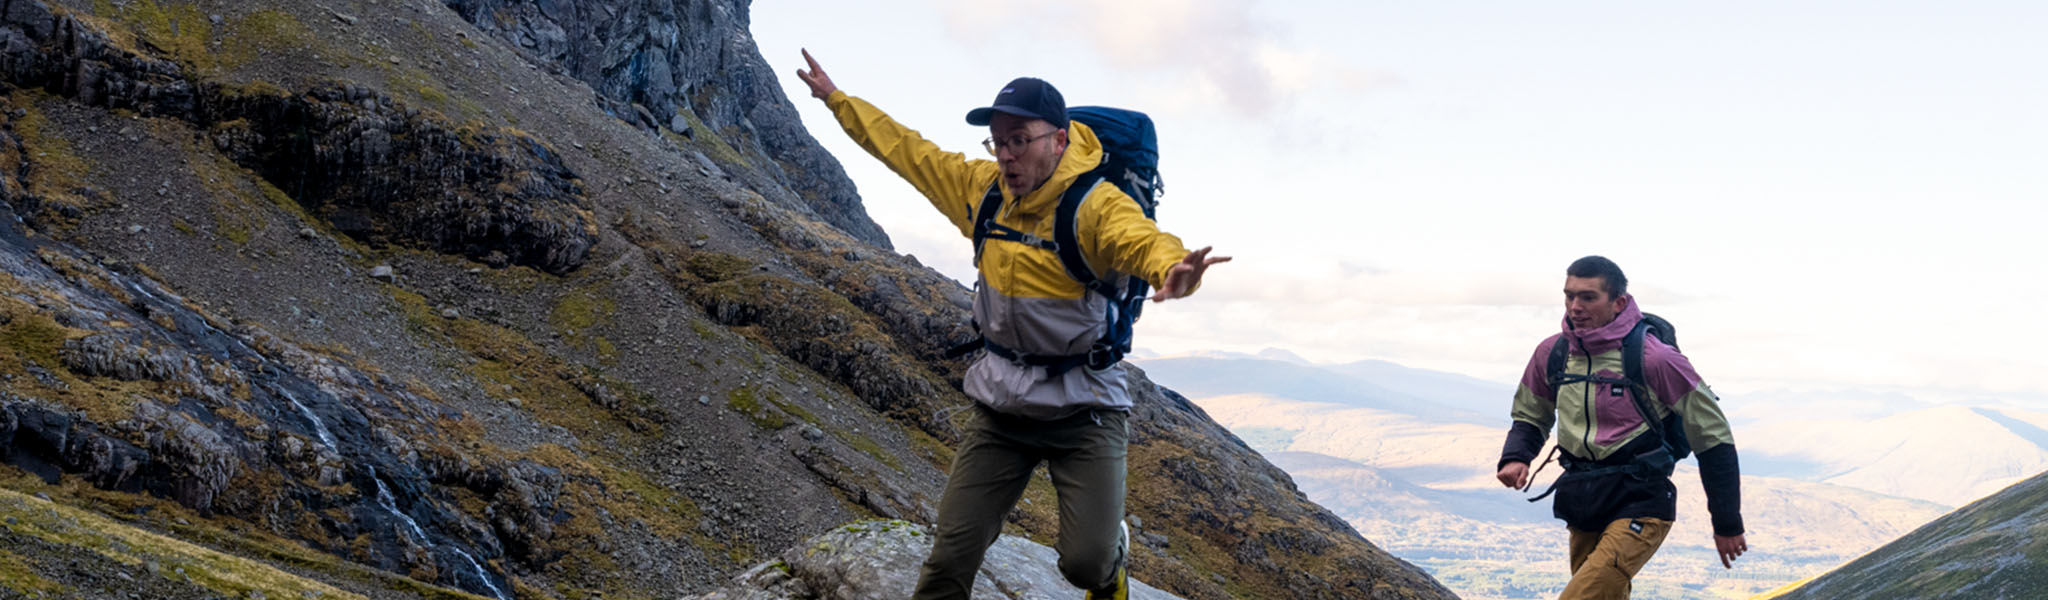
1996	547
401	298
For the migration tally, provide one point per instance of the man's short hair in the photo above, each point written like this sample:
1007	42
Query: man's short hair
1611	279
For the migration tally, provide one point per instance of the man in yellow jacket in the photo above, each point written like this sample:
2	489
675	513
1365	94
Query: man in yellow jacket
1028	306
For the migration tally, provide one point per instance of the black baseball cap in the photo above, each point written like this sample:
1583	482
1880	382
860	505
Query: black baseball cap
1025	97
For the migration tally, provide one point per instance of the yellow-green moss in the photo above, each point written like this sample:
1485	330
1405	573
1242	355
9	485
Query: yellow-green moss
55	170
31	336
179	29
264	30
15	576
868	446
703	138
220	572
744	400
83	274
507	360
429	91
631	500
253	89
581	310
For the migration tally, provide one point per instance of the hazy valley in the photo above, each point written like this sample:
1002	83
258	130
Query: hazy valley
1407	456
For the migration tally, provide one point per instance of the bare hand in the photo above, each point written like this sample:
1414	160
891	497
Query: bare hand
1730	547
821	84
1514	475
1186	274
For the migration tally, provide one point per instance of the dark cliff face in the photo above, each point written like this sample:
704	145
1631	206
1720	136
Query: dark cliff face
684	66
363	288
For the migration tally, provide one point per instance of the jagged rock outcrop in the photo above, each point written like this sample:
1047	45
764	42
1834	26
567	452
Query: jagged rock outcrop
666	64
380	172
878	560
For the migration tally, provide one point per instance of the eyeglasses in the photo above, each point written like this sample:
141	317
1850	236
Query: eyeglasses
1014	144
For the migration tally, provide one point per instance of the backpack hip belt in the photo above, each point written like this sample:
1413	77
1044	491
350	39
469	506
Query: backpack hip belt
1100	356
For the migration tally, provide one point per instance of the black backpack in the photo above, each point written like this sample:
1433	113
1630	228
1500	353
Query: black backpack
1131	163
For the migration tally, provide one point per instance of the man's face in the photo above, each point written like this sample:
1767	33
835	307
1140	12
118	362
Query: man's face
1586	303
1028	166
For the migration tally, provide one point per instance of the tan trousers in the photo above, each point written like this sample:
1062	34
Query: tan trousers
1604	562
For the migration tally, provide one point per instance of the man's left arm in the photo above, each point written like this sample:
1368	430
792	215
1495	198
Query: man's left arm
1116	234
1712	440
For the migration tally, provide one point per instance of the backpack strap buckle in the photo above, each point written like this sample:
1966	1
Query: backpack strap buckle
1102	356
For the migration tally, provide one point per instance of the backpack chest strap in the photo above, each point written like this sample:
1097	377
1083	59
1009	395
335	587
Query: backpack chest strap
1066	237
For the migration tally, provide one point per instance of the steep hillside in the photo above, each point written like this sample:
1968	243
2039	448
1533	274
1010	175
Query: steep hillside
1994	548
549	300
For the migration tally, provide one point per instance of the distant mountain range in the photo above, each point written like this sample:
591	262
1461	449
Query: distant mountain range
1406	455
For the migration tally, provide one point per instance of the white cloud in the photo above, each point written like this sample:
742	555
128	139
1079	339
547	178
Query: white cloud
1214	51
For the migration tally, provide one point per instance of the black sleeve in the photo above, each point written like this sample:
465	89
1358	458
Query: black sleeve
1524	441
1722	478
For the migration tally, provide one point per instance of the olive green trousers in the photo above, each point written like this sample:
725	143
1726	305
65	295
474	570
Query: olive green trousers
1085	454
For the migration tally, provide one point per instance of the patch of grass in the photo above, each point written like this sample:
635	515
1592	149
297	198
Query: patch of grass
602	493
265	30
55	170
506	359
429	91
227	574
178	29
31	338
868	446
703	138
581	310
714	267
745	401
15	576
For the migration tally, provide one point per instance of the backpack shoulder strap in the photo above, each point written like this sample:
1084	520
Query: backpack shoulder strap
1632	369
1560	352
985	215
1066	236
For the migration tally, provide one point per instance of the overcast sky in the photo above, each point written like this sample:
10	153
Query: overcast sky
1818	194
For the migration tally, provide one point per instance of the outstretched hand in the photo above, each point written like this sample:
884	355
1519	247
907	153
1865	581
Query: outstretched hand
821	84
1730	547
1185	275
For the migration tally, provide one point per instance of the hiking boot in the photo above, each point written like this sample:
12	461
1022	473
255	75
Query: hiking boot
1120	587
1121	590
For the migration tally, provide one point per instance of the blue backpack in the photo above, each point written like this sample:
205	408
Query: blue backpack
1131	163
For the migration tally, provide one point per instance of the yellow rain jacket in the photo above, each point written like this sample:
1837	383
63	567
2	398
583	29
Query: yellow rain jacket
1024	300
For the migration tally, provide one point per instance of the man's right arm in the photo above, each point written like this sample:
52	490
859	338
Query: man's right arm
949	180
1535	410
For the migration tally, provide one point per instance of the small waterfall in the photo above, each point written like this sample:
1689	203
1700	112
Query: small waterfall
390	504
480	574
319	427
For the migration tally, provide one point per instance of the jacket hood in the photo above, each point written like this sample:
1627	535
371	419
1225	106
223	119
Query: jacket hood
1084	153
1606	337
